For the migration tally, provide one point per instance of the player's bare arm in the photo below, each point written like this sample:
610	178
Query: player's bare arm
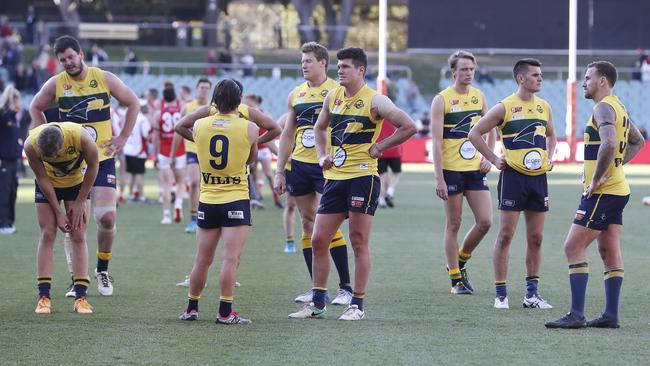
264	121
382	107
492	119
183	129
76	209
490	138
437	129
62	221
551	139
42	101
604	118
284	150
126	97
635	142
253	132
325	160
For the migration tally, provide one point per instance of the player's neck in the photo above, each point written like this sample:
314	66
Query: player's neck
318	81
525	95
200	101
352	90
602	94
461	88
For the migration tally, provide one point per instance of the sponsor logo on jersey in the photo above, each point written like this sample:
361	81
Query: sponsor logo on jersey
238	215
110	178
363	166
208	178
338	102
454	101
67	86
357	201
533	160
301	94
516	109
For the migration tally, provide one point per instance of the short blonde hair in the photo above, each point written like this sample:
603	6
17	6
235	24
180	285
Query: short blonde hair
454	57
10	99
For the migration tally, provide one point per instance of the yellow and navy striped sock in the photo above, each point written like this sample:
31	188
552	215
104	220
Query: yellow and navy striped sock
532	285
357	299
307	251
501	288
193	214
339	253
454	275
225	306
102	260
463	257
193	302
81	286
44	285
613	283
578	278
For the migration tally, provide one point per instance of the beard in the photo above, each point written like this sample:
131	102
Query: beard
79	68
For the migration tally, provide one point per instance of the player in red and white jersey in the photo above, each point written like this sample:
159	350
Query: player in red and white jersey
169	115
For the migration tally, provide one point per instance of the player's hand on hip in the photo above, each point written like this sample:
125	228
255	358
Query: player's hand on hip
115	145
485	166
441	189
326	162
500	163
374	151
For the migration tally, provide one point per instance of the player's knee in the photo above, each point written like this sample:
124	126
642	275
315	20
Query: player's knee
484	225
307	226
358	239
203	262
48	235
535	239
504	238
230	260
453	224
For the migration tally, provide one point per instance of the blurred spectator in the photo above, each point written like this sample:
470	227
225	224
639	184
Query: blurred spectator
10	151
225	58
146	67
42	33
211	60
129	56
425	130
249	64
412	95
12	57
5	28
96	55
636	74
484	76
645	71
21	78
30	24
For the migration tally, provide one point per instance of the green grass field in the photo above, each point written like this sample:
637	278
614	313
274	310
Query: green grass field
410	316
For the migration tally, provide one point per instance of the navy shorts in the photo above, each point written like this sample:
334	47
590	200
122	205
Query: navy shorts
359	194
459	182
600	210
214	216
519	192
191	158
106	174
304	178
383	164
62	194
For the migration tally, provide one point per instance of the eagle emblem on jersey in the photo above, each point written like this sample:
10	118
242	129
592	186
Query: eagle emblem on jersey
528	133
464	125
80	110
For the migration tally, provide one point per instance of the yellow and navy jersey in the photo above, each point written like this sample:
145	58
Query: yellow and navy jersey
307	102
189	108
352	130
67	168
462	111
242	111
222	148
88	103
523	134
616	184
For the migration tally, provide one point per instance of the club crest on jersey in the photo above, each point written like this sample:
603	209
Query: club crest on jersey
540	109
464	125
358	104
70	150
80	110
323	93
528	134
93	83
474	100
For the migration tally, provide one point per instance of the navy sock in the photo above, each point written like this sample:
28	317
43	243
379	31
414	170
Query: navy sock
357	299
225	308
578	278
318	297
613	283
81	286
192	304
501	288
44	286
340	257
532	283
